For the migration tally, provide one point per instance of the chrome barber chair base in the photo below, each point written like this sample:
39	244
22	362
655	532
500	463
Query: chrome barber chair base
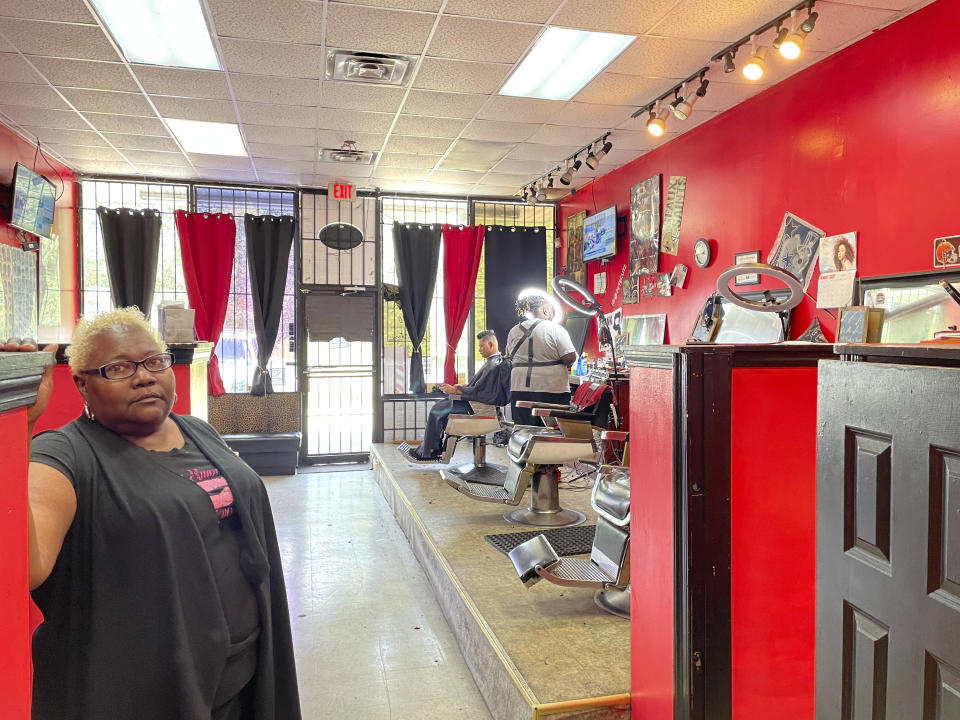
485	474
544	518
614	601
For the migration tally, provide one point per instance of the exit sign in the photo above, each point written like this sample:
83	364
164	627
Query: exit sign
341	191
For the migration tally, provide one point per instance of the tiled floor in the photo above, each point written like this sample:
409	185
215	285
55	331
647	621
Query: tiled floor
370	640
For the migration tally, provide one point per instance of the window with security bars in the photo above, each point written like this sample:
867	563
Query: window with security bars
165	197
516	215
236	350
396	343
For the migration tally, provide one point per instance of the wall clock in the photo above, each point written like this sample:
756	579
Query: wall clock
702	254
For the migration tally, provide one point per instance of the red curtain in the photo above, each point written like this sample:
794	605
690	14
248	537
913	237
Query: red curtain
461	261
207	242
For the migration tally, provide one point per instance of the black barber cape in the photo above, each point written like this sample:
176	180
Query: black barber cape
491	384
134	629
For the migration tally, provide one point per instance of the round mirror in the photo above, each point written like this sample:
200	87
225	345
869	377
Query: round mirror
340	236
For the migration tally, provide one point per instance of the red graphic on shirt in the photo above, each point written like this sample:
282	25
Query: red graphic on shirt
216	488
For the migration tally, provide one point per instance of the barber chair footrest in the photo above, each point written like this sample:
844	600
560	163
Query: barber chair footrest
407	453
478	491
485	475
553	518
614	601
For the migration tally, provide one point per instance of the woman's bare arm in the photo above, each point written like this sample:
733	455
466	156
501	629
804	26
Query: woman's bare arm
50	511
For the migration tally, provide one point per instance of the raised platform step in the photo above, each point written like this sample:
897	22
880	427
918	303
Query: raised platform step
544	651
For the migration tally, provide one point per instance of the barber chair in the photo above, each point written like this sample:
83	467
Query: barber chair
607	570
592	402
535	455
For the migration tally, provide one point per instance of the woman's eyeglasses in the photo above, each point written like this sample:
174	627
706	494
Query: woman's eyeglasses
122	369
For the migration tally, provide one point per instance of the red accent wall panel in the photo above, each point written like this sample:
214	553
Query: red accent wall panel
773	451
865	140
651	544
14	598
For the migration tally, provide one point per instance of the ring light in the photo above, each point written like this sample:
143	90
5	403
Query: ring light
557	308
785	276
562	285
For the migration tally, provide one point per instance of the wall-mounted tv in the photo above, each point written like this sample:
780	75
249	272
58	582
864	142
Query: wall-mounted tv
600	235
34	198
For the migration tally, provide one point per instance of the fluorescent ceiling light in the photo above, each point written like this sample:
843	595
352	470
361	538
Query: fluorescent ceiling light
208	138
562	61
160	32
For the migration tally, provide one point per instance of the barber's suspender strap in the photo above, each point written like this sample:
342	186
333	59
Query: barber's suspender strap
530	364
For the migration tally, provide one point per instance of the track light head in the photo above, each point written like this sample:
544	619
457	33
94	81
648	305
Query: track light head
604	149
592	160
550	181
682	108
567	176
806	27
525	194
702	90
541	195
755	67
656	123
792	46
781	36
577	164
533	194
728	64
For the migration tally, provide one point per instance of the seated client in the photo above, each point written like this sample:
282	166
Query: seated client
489	386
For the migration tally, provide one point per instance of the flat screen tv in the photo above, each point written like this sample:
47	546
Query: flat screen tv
33	200
600	235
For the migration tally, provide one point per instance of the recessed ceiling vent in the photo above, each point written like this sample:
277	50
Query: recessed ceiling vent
348	154
369	67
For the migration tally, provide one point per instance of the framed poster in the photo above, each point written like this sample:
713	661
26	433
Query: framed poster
673	214
644	329
576	268
747	278
797	247
645	226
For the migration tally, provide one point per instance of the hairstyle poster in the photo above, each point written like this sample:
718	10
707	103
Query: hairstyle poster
797	247
946	251
576	269
838	253
645	226
673	215
631	290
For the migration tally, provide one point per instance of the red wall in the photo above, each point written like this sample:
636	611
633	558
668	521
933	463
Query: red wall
867	140
14	149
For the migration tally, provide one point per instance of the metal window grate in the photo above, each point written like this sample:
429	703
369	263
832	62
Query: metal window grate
165	197
236	351
322	265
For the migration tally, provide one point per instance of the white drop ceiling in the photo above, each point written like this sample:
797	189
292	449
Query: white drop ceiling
63	82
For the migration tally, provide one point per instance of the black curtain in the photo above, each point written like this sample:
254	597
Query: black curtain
417	252
131	246
515	258
269	239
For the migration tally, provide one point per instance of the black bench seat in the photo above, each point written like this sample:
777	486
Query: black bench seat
267	453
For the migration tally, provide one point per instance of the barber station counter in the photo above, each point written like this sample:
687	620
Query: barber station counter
723	446
189	368
20	375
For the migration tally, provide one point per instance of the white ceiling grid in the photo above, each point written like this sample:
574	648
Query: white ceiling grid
64	82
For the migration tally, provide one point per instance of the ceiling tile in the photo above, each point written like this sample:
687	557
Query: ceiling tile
168	172
282	178
37	117
481	40
898	5
179	82
456	177
83	42
15	69
77	152
614	89
285	115
504	191
723	95
276	165
269	58
400	174
429	126
626	17
336	138
514	180
719	22
585	114
521	109
533	151
409	160
278	20
103	167
338	170
105	123
195	109
459	76
353	120
665	57
108	101
524	166
441	104
535	11
840	25
426	146
376	30
280	135
86	74
67	137
560	135
269	88
221	162
154	157
71	11
220	175
38	96
142	142
424	5
636	140
285	152
362	96
502	131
